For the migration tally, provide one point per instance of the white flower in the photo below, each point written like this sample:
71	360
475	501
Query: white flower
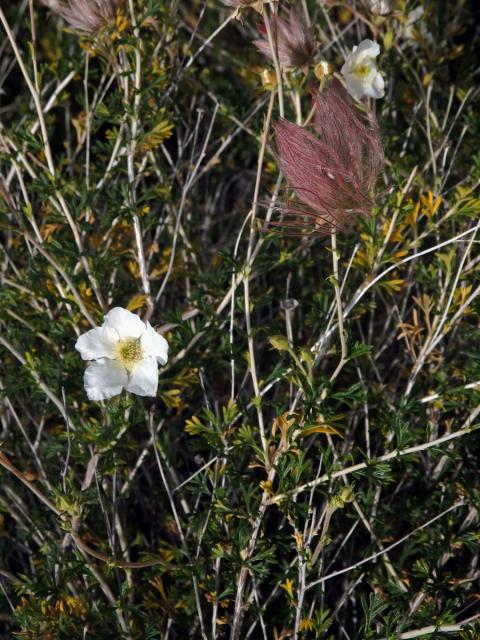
380	7
126	352
413	17
360	71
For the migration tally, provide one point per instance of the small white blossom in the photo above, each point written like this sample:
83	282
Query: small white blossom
125	352
361	73
380	7
412	19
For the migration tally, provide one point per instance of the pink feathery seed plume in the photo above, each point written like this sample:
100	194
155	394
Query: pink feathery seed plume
295	40
87	16
332	168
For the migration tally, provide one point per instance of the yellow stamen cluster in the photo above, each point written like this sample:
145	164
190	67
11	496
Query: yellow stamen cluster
129	352
361	70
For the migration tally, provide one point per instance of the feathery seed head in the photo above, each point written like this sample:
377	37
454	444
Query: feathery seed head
87	16
295	41
332	167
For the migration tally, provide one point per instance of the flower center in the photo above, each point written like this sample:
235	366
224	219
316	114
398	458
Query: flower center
129	352
362	70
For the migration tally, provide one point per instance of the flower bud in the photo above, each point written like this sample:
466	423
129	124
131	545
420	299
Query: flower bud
323	70
269	79
279	342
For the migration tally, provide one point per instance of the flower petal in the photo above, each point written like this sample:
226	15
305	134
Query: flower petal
127	324
378	85
366	49
144	378
154	344
105	379
101	342
355	86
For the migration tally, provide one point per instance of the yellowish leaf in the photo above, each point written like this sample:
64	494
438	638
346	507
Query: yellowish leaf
427	78
137	302
388	39
323	428
287	586
306	624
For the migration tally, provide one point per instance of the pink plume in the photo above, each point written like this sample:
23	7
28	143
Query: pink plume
333	167
295	41
87	16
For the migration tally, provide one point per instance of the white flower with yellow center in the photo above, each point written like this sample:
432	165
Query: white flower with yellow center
361	73
125	352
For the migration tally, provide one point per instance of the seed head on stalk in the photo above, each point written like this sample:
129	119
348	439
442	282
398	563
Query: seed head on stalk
295	40
332	167
86	16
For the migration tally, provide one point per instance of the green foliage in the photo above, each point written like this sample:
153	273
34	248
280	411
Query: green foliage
266	492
